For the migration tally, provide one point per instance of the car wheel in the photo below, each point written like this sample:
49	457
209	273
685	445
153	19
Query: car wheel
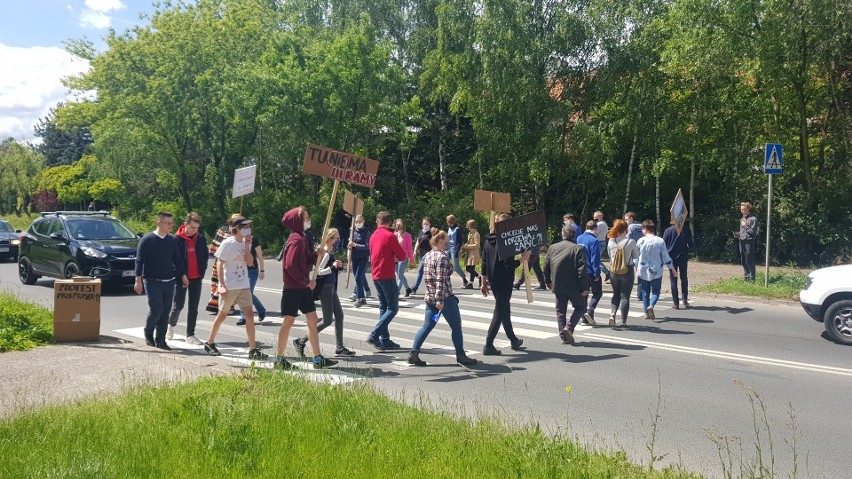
71	270
838	321
25	271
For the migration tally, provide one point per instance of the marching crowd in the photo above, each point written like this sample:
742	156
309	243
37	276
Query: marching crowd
170	270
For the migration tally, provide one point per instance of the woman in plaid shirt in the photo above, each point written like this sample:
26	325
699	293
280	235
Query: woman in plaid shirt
439	299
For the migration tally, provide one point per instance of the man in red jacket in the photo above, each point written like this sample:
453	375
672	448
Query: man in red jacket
297	296
385	251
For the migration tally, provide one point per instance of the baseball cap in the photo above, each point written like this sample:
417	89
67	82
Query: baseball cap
240	221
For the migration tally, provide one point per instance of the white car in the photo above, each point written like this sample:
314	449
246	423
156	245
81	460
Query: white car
827	298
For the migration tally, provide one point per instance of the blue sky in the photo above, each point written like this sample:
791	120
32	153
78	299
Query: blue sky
33	60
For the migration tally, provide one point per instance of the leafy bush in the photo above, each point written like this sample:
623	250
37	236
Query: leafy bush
23	325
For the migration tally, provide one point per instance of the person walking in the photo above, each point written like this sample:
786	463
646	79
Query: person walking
423	246
193	246
747	236
471	251
634	228
565	272
326	291
534	265
359	243
297	294
602	230
589	242
232	260
385	252
623	255
454	246
499	274
404	238
653	255
440	301
679	246
222	233
568	219
158	262
255	273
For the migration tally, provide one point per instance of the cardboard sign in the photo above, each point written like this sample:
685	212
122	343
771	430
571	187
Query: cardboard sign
492	201
519	234
679	212
244	181
352	204
77	309
345	167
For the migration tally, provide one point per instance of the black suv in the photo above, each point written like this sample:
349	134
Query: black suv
9	240
63	244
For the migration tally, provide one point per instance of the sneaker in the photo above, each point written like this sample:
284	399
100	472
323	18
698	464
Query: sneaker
675	306
588	319
465	360
162	345
261	316
408	292
320	362
612	320
300	347
651	313
211	349
414	359
193	341
376	343
516	345
491	351
343	352
517	286
468	286
414	291
685	303
256	353
150	342
170	334
625	326
282	363
353	298
369	294
360	302
390	345
567	336
241	322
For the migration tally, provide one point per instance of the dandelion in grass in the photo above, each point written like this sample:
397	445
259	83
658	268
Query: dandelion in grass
568	389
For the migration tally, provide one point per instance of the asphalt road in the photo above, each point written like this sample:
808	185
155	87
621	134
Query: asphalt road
694	370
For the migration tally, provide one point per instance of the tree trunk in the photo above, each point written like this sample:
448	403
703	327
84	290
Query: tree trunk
630	166
804	151
442	153
185	188
692	196
657	188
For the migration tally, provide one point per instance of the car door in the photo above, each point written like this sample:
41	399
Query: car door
39	252
59	248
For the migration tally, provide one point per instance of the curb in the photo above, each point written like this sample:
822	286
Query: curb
750	299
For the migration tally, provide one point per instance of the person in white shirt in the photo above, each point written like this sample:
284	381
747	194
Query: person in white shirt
602	231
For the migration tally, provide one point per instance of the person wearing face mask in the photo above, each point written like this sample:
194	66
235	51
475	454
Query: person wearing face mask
453	246
232	260
221	234
193	245
423	247
359	243
255	272
440	301
471	250
404	238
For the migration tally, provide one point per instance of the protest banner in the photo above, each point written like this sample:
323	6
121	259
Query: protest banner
354	206
520	234
492	202
244	179
679	212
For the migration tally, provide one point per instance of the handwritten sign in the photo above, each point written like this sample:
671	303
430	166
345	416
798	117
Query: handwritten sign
492	201
345	167
519	234
679	212
244	181
352	204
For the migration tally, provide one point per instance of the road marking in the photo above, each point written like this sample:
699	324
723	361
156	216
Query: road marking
816	368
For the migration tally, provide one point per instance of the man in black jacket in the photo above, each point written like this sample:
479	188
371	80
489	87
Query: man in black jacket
193	247
158	263
422	246
499	274
565	274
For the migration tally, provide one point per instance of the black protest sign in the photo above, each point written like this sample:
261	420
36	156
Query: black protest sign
519	234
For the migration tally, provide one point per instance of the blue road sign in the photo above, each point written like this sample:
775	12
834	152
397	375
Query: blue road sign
774	160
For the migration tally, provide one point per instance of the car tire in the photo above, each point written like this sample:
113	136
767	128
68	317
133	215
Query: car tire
25	271
71	270
838	321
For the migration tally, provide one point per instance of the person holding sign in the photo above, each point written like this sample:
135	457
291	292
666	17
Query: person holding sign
499	275
566	274
653	255
440	301
385	252
679	245
297	294
359	243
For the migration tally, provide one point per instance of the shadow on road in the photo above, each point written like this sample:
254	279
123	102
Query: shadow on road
567	356
725	309
602	345
685	320
655	330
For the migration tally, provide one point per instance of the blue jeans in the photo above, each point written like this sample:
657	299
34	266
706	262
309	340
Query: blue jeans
602	249
388	295
454	258
452	315
401	280
160	295
650	292
419	275
359	267
259	310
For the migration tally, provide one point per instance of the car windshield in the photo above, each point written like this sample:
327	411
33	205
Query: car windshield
99	229
5	228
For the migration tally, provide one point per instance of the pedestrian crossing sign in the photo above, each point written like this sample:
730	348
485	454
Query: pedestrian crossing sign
774	159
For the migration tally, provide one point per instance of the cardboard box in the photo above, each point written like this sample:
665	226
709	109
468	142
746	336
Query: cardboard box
77	309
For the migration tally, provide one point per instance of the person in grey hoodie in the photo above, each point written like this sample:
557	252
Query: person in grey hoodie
747	236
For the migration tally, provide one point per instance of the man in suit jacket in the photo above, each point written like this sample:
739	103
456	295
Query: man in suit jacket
565	275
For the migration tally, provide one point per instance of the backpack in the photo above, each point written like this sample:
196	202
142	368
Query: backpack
618	265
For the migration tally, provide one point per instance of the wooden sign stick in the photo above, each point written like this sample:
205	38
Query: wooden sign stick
491	215
349	251
325	227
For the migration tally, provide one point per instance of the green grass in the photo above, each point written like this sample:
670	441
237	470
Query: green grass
782	285
23	325
268	424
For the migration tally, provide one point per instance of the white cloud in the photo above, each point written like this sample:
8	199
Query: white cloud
94	15
104	5
31	84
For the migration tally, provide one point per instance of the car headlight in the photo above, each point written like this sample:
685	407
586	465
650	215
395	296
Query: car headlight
15	242
93	252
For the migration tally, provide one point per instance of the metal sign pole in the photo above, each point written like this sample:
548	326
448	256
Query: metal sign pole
768	230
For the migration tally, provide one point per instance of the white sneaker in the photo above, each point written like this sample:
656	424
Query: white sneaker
171	333
193	341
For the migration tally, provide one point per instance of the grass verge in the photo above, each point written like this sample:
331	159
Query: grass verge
267	424
23	325
782	285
